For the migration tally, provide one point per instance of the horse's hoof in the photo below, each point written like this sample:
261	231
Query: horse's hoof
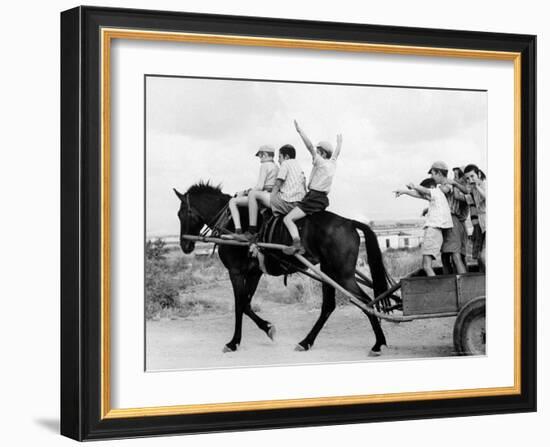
227	348
271	332
299	348
378	353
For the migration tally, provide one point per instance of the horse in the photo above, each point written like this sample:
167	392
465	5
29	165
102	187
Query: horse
327	237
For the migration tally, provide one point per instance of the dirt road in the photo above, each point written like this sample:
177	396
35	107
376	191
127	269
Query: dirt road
197	341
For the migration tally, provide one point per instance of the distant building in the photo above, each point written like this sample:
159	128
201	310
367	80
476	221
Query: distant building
398	233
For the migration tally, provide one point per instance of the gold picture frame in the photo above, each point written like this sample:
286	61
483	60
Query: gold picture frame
103	26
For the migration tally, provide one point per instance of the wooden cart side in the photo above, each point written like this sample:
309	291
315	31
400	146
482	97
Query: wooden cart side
445	294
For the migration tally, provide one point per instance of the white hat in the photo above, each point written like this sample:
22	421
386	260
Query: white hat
441	165
266	148
326	146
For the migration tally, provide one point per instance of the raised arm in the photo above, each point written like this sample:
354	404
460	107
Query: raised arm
409	192
458	194
305	139
446	187
420	189
463	188
339	140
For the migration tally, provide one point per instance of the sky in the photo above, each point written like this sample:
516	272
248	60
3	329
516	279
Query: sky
209	129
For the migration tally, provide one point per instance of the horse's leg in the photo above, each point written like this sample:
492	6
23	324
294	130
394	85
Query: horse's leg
350	284
238	281
328	306
252	283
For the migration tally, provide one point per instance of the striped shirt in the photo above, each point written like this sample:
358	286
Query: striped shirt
267	177
439	214
481	204
457	203
293	188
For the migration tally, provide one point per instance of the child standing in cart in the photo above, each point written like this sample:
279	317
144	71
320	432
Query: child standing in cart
320	181
438	218
265	183
477	181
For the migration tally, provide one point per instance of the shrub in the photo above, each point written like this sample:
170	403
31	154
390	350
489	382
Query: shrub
161	288
156	250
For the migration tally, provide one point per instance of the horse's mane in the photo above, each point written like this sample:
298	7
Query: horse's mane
202	187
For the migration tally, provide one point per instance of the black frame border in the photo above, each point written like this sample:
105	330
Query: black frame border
81	223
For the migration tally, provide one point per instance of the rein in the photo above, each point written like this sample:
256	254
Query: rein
212	225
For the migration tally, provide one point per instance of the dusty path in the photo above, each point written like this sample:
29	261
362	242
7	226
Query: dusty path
197	341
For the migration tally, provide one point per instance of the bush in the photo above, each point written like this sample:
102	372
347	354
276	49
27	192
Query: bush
156	250
161	288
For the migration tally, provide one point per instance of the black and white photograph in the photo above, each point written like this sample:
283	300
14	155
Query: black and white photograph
291	223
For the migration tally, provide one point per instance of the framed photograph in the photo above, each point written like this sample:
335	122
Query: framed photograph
275	223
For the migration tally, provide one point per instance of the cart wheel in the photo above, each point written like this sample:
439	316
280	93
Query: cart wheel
469	330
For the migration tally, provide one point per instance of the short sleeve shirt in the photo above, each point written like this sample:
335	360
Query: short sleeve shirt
322	173
293	188
439	213
268	175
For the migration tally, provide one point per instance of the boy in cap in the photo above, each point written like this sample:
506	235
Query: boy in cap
320	181
265	183
288	190
454	236
438	218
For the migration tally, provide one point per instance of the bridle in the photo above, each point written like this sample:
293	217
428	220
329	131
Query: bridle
185	230
212	225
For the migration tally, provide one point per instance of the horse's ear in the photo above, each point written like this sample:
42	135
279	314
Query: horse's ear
179	194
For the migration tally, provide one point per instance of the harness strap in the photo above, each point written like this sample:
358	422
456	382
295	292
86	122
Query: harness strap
273	224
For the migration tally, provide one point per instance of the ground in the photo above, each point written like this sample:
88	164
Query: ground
196	341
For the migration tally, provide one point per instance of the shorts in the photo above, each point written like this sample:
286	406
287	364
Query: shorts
281	207
313	202
478	242
456	238
433	240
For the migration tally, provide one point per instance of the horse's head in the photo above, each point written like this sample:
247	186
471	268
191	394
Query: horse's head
190	221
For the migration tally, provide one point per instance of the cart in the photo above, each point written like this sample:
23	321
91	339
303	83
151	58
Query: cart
413	297
417	296
439	296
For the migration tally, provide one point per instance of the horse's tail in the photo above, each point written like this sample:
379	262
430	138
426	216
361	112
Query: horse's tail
378	271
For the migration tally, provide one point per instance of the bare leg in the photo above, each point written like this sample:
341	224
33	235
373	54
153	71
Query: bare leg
233	204
253	198
457	260
289	220
464	261
427	265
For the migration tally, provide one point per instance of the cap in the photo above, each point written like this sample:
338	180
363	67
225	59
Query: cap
265	148
460	168
439	165
326	146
